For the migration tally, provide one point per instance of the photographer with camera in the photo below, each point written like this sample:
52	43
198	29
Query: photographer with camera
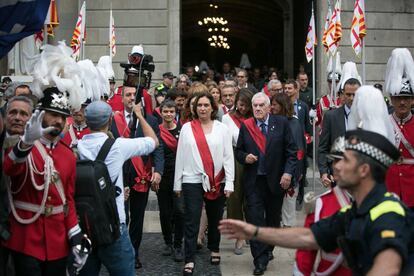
135	66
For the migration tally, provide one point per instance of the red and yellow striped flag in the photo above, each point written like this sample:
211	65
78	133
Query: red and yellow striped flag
310	39
112	42
79	33
52	20
325	30
358	27
334	34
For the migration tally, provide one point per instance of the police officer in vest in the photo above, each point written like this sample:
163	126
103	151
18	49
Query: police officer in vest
375	233
161	89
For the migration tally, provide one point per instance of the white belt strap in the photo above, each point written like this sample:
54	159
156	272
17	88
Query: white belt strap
336	260
72	136
405	161
342	198
45	210
55	177
404	140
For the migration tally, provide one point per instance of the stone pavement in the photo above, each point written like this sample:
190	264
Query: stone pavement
231	264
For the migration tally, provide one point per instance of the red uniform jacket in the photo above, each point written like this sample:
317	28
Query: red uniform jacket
400	177
75	132
116	101
323	105
47	237
326	205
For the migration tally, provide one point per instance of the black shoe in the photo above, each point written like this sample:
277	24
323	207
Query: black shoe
138	264
167	250
178	255
270	256
259	269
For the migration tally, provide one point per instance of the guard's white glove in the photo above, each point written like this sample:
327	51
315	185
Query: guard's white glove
312	113
78	256
34	130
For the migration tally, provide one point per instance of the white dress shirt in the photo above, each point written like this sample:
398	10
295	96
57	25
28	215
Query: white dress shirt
189	166
122	150
231	125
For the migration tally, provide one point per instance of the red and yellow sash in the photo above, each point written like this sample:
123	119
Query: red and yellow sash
238	121
207	160
144	171
256	134
168	138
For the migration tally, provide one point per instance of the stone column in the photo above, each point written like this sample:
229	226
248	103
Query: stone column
321	58
174	42
288	38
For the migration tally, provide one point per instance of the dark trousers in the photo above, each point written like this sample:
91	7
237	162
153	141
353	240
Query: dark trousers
29	266
193	194
263	208
137	204
235	203
6	264
171	212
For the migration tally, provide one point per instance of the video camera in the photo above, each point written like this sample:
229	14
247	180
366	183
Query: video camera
138	71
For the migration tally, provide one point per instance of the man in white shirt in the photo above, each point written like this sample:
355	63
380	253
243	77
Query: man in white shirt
118	257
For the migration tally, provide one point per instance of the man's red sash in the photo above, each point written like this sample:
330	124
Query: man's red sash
225	109
168	138
256	134
158	111
144	171
238	121
207	160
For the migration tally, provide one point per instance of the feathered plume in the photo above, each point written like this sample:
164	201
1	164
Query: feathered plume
329	68
54	66
370	112
400	69
93	81
105	66
349	71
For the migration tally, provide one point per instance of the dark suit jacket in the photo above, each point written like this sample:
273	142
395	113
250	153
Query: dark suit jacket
280	154
303	116
333	126
157	155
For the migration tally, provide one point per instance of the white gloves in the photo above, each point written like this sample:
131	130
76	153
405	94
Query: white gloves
312	113
34	130
79	256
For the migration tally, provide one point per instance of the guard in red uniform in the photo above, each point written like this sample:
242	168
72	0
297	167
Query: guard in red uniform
318	208
43	222
399	83
76	126
327	102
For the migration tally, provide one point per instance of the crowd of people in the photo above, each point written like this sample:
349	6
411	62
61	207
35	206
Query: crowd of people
231	141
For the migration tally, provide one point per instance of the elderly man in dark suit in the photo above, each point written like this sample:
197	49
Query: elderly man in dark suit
334	125
266	149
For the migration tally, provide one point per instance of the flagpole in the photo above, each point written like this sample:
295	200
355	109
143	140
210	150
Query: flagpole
333	86
110	33
45	36
313	104
363	61
83	32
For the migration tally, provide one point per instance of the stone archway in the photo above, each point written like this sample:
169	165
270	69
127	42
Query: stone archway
262	28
